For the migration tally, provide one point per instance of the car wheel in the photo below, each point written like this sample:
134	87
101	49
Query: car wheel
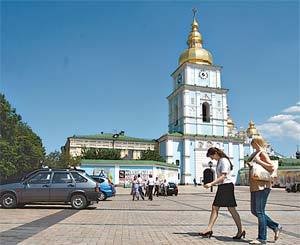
78	201
9	200
102	196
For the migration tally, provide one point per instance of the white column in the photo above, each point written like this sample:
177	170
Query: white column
117	169
241	156
230	149
186	162
169	151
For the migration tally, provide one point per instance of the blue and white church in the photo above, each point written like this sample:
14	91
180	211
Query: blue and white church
199	115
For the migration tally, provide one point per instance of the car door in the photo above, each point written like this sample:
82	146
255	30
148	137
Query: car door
62	186
36	188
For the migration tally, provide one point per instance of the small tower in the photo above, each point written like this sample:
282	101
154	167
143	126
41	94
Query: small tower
252	131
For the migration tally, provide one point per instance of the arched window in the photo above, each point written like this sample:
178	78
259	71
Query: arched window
205	112
176	115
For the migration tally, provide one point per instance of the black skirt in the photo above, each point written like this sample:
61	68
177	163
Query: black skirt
225	196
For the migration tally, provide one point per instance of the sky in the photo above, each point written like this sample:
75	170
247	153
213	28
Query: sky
85	67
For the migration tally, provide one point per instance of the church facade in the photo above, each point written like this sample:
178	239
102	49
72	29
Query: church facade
199	115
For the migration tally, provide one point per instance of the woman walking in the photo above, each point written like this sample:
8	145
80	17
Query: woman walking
225	193
135	189
260	191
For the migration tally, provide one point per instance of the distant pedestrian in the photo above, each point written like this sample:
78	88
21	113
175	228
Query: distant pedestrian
195	182
156	184
141	183
150	184
135	189
165	185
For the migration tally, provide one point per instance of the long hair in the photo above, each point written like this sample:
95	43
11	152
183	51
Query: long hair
211	151
260	142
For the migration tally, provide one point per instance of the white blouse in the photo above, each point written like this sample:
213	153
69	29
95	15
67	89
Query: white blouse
223	166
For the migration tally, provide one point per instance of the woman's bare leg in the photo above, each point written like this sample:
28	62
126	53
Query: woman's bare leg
213	218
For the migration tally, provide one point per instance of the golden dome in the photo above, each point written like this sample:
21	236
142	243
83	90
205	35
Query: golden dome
230	123
195	53
252	131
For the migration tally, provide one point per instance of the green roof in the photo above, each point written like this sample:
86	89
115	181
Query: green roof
128	162
118	137
289	161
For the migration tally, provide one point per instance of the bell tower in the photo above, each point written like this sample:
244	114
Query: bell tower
198	103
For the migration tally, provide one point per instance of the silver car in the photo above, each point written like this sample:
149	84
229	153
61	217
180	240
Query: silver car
51	186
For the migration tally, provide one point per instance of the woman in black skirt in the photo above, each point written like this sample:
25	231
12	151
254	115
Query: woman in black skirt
225	193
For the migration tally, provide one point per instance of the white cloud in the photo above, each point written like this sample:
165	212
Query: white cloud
281	118
283	125
293	109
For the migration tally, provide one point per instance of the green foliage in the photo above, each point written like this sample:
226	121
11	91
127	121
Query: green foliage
61	160
152	155
101	153
289	162
274	158
21	149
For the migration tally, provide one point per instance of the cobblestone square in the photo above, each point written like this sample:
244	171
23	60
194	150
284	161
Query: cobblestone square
165	220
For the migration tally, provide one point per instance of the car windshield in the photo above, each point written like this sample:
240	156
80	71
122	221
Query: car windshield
87	176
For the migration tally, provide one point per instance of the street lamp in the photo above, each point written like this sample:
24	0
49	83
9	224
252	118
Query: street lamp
115	136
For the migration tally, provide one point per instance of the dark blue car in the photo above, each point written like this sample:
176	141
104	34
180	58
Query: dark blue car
106	187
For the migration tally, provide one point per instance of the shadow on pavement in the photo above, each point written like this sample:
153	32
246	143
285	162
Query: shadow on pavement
52	207
219	238
229	239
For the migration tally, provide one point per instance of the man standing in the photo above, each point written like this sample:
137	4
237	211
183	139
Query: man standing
150	185
156	187
140	182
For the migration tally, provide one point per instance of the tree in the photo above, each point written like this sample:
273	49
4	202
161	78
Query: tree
152	155
61	160
21	149
101	153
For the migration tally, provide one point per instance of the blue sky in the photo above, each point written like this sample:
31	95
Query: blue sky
82	67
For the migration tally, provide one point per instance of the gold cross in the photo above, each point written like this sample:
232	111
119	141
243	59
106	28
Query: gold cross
194	11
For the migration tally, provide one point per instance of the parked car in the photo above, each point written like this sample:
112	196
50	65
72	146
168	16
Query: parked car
294	187
51	186
172	189
106	187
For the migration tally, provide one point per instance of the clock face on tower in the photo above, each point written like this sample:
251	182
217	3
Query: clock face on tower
203	74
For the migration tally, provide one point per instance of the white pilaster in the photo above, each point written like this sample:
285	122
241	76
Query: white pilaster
117	170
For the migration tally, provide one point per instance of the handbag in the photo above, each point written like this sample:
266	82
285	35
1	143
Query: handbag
258	172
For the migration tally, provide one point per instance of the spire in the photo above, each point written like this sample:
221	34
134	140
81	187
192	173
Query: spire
195	38
195	53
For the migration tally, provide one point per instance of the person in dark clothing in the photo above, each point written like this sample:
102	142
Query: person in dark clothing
156	184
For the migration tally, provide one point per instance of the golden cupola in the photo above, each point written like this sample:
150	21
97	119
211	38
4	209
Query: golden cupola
195	53
252	131
230	124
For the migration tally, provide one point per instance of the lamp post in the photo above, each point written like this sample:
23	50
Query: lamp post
115	136
210	164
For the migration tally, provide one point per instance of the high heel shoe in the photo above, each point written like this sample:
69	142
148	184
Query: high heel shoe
207	234
239	236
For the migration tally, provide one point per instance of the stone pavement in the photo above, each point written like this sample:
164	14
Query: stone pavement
165	220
